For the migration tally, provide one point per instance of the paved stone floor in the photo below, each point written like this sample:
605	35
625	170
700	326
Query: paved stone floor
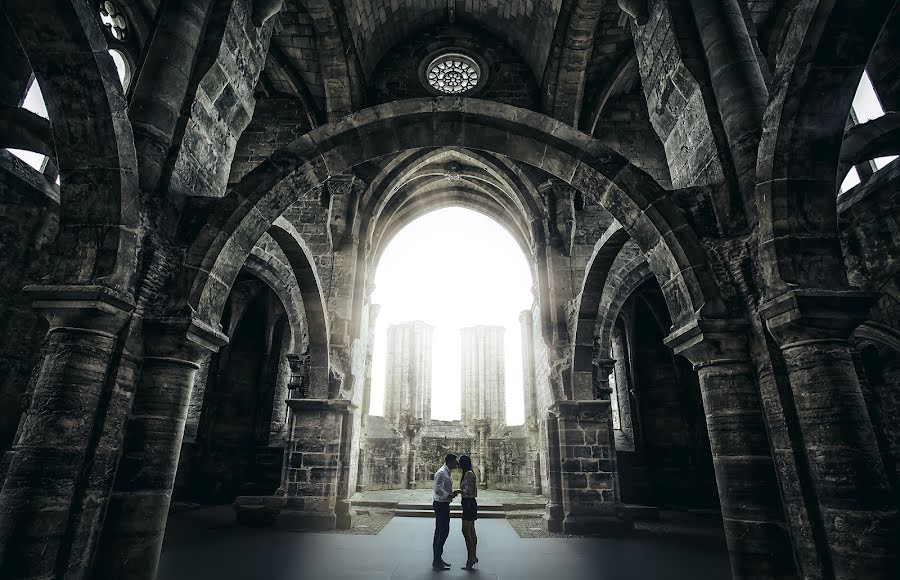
205	544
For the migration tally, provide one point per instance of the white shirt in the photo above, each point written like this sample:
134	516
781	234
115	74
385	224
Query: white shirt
443	484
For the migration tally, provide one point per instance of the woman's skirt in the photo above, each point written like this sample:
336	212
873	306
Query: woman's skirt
469	509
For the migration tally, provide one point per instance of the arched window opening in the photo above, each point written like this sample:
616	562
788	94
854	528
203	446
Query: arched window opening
33	101
866	107
122	67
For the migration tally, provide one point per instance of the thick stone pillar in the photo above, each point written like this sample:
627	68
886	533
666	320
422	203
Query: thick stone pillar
859	513
55	433
759	542
135	521
589	481
314	463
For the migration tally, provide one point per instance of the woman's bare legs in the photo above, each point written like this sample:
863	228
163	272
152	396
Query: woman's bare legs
474	542
468	531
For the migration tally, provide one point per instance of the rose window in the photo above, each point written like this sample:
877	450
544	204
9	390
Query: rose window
453	74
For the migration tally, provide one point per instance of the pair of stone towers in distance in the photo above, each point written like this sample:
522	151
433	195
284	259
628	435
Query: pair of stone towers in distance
408	383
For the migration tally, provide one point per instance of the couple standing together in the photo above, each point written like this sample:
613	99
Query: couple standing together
443	495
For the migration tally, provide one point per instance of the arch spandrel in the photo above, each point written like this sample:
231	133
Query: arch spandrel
643	208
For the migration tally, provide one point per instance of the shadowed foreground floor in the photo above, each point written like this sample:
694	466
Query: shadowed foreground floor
204	544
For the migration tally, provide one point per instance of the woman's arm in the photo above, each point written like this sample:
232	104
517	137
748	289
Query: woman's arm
468	484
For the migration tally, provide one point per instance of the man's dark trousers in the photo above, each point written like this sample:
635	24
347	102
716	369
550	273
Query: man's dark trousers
441	527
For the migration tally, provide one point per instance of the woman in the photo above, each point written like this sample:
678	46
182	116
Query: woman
469	490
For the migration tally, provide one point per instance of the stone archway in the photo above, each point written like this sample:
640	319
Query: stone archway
640	205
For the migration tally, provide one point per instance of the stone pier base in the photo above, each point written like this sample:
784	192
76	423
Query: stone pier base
590	487
313	465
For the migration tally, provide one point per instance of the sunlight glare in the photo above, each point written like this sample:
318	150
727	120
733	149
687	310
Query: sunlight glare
452	268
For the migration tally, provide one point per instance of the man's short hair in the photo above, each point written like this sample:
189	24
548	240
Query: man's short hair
450	457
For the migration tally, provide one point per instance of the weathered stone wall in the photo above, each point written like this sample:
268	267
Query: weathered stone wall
675	101
509	78
385	464
407	393
29	222
625	124
510	464
482	374
277	120
435	446
870	229
224	102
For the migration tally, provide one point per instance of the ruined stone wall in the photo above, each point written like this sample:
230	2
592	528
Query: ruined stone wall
509	79
432	450
483	375
408	368
510	466
29	222
385	464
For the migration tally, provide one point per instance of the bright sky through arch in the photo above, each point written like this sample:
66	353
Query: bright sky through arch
453	268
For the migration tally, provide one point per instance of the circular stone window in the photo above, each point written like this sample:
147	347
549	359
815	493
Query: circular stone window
453	74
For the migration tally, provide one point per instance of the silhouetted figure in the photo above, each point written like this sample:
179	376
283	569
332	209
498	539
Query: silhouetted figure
443	495
469	490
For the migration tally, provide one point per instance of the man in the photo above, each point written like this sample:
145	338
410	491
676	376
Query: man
443	495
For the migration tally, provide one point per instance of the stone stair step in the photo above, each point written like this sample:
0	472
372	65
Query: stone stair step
487	507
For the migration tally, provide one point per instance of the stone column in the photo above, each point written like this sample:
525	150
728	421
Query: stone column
737	82
55	432
589	482
858	511
553	518
343	510
135	522
314	463
759	542
483	375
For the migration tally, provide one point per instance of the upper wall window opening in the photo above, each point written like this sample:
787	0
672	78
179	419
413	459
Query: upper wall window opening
114	19
866	107
33	101
122	67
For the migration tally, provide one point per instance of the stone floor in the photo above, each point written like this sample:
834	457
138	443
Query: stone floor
205	544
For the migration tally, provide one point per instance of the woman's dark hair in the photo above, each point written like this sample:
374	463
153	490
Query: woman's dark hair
465	463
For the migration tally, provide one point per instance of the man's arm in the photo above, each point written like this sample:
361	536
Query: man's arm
440	489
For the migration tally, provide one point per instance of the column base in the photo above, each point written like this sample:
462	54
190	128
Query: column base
344	515
553	518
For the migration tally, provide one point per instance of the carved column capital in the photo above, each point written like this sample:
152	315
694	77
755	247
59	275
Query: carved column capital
707	342
799	316
96	308
180	338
